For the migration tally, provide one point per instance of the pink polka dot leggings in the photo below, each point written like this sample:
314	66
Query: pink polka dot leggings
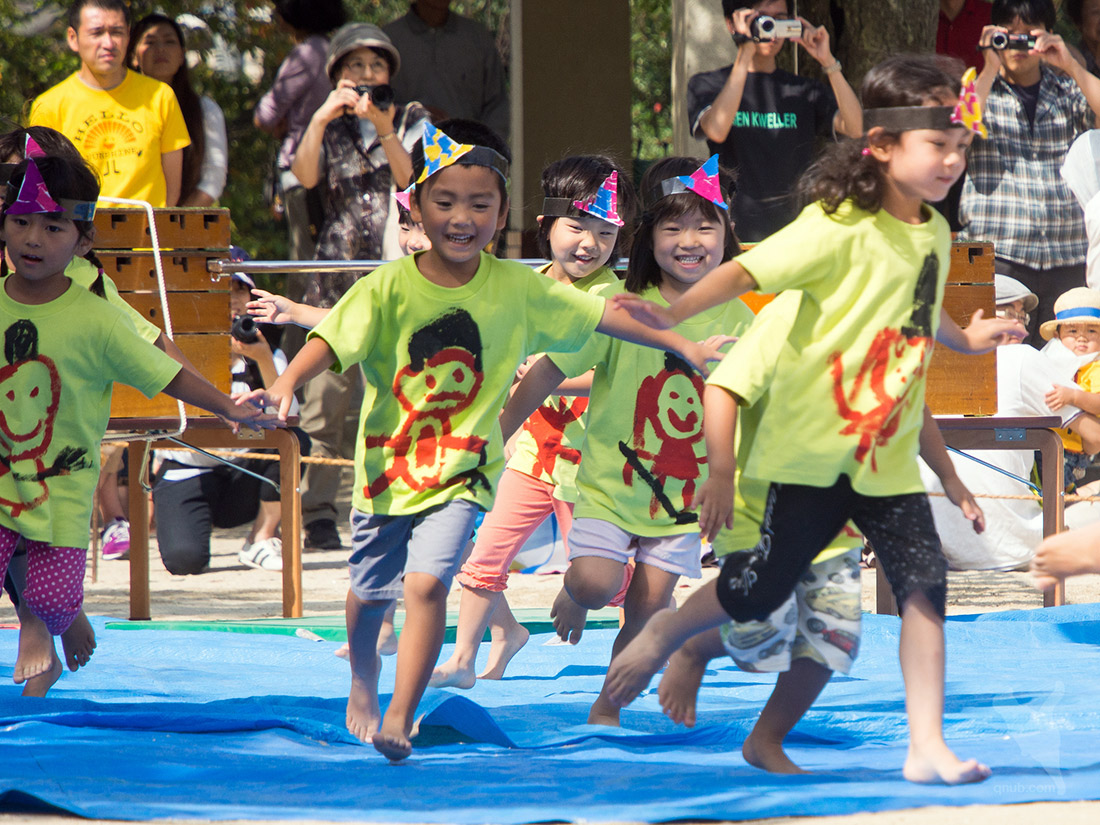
55	579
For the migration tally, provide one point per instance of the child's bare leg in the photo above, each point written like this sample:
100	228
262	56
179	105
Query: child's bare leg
1065	554
475	609
417	652
679	686
922	666
795	691
364	618
663	634
387	635
508	638
36	655
589	584
40	685
78	642
649	591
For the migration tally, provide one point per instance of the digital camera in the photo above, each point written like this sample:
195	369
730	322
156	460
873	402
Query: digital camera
765	28
1003	40
381	95
244	329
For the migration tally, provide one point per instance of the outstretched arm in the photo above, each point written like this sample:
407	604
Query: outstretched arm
981	334
934	452
195	390
714	501
270	308
723	283
313	359
619	323
541	380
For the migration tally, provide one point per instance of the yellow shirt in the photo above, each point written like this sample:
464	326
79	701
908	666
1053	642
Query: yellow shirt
1088	379
122	132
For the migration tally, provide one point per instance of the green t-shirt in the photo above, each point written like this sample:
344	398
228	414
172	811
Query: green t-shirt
548	445
82	273
643	449
59	364
438	364
848	396
747	372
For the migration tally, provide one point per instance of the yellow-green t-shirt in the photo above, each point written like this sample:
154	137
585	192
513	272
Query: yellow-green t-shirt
643	449
747	372
438	364
848	396
122	132
83	274
59	364
548	444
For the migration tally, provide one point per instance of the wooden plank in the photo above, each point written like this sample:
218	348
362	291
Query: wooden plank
971	263
964	384
191	311
136	271
176	228
209	353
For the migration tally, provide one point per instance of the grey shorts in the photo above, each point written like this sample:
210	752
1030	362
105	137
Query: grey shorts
678	554
385	548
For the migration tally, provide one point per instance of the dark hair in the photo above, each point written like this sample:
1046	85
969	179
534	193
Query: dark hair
843	171
66	178
107	5
1074	10
51	141
578	178
312	16
1032	12
190	103
730	6
462	130
643	271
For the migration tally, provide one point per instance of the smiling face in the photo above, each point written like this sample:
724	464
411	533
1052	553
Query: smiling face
410	236
461	210
363	65
29	392
159	53
580	246
679	407
687	248
1080	338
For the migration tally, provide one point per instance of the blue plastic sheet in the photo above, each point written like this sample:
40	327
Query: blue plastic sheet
235	726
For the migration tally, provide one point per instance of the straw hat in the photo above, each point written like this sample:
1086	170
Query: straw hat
1009	290
1079	305
354	36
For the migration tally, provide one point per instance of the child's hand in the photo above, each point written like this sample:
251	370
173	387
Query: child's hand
985	334
701	354
714	501
958	494
645	312
250	412
269	308
1058	396
259	400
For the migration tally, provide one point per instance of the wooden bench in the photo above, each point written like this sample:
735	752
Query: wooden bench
198	303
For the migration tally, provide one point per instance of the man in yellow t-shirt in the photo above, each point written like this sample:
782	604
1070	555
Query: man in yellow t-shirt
129	127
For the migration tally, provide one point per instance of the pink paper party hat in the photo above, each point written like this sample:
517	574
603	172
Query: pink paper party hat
704	182
968	111
404	196
33	197
31	149
606	203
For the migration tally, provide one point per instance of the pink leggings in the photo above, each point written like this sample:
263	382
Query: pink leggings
55	579
523	502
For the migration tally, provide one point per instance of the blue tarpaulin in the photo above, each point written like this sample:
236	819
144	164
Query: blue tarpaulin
240	726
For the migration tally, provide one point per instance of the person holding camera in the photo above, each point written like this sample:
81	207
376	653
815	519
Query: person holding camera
762	120
193	493
356	148
1036	99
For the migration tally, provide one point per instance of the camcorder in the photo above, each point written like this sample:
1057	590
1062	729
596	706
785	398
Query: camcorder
1003	40
381	95
244	329
765	28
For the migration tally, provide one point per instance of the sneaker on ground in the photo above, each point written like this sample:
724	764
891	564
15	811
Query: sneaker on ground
266	554
115	540
322	535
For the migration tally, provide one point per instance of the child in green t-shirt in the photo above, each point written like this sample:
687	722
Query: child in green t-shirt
439	336
839	437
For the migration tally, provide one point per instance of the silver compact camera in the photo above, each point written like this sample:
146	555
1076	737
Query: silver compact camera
765	28
1003	40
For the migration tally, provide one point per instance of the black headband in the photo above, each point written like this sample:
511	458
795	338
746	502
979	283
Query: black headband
561	208
674	186
484	156
905	118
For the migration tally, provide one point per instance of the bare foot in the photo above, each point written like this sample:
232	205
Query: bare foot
768	756
568	617
502	651
604	713
78	642
395	745
363	712
452	674
40	685
938	765
1067	554
679	686
387	638
343	651
632	669
36	652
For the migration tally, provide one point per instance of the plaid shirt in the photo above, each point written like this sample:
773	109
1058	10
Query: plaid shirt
1014	194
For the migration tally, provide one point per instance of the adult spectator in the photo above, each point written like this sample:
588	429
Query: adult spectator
763	121
1036	102
357	154
452	65
1085	16
158	50
127	126
285	109
960	28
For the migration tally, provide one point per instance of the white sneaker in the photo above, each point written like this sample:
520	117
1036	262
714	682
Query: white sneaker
266	554
115	540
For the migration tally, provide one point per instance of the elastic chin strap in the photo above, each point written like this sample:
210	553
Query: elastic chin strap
907	118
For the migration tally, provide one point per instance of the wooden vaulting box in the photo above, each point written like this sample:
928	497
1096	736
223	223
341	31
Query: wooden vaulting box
197	301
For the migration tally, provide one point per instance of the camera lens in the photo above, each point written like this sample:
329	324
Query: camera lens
999	40
381	95
244	329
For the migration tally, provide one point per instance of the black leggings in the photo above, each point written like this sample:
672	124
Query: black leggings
800	521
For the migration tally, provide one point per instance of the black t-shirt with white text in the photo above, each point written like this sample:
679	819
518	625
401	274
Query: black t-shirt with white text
770	143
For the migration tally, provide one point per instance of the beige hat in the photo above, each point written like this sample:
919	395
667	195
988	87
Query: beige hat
352	36
1009	289
1079	305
